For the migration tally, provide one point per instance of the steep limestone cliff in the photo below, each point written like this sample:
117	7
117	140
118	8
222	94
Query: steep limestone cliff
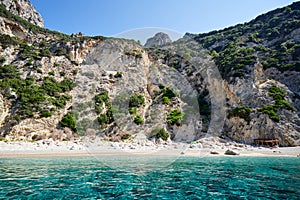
259	61
24	9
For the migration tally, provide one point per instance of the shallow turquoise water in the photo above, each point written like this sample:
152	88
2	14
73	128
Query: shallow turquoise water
150	178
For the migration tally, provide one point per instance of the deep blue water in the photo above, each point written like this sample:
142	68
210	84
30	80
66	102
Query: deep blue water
150	178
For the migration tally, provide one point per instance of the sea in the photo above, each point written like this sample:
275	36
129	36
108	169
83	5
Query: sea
150	178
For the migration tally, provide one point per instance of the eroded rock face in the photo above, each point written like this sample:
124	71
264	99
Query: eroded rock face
140	75
24	9
253	92
158	39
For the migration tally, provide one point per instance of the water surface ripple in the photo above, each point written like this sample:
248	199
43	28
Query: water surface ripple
149	178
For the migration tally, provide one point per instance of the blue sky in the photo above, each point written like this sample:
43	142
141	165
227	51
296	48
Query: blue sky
112	17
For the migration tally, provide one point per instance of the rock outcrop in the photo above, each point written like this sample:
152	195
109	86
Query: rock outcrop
24	9
231	152
158	39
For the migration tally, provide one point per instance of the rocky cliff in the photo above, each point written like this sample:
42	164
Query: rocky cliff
24	9
240	83
259	63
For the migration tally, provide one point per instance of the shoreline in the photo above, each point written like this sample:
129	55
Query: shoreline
55	149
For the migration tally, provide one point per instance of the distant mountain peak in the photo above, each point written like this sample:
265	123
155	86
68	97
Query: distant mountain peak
158	39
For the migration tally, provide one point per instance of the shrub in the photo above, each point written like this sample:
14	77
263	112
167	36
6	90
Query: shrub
167	92
98	108
241	112
44	53
118	75
132	110
163	134
136	100
102	120
51	73
60	101
271	111
166	100
66	85
284	104
138	120
68	121
234	56
51	86
110	115
6	40
46	113
32	98
277	93
174	117
17	118
29	96
271	62
9	71
100	99
26	113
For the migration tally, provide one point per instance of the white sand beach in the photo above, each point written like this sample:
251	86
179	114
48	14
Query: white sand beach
80	148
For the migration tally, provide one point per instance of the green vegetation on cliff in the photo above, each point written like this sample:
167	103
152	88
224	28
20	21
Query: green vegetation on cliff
174	117
163	134
278	95
100	99
68	121
269	37
30	97
138	120
103	108
136	100
241	112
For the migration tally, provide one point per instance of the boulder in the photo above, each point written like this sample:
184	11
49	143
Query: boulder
231	152
214	152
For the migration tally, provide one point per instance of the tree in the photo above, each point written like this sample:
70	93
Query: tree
68	121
